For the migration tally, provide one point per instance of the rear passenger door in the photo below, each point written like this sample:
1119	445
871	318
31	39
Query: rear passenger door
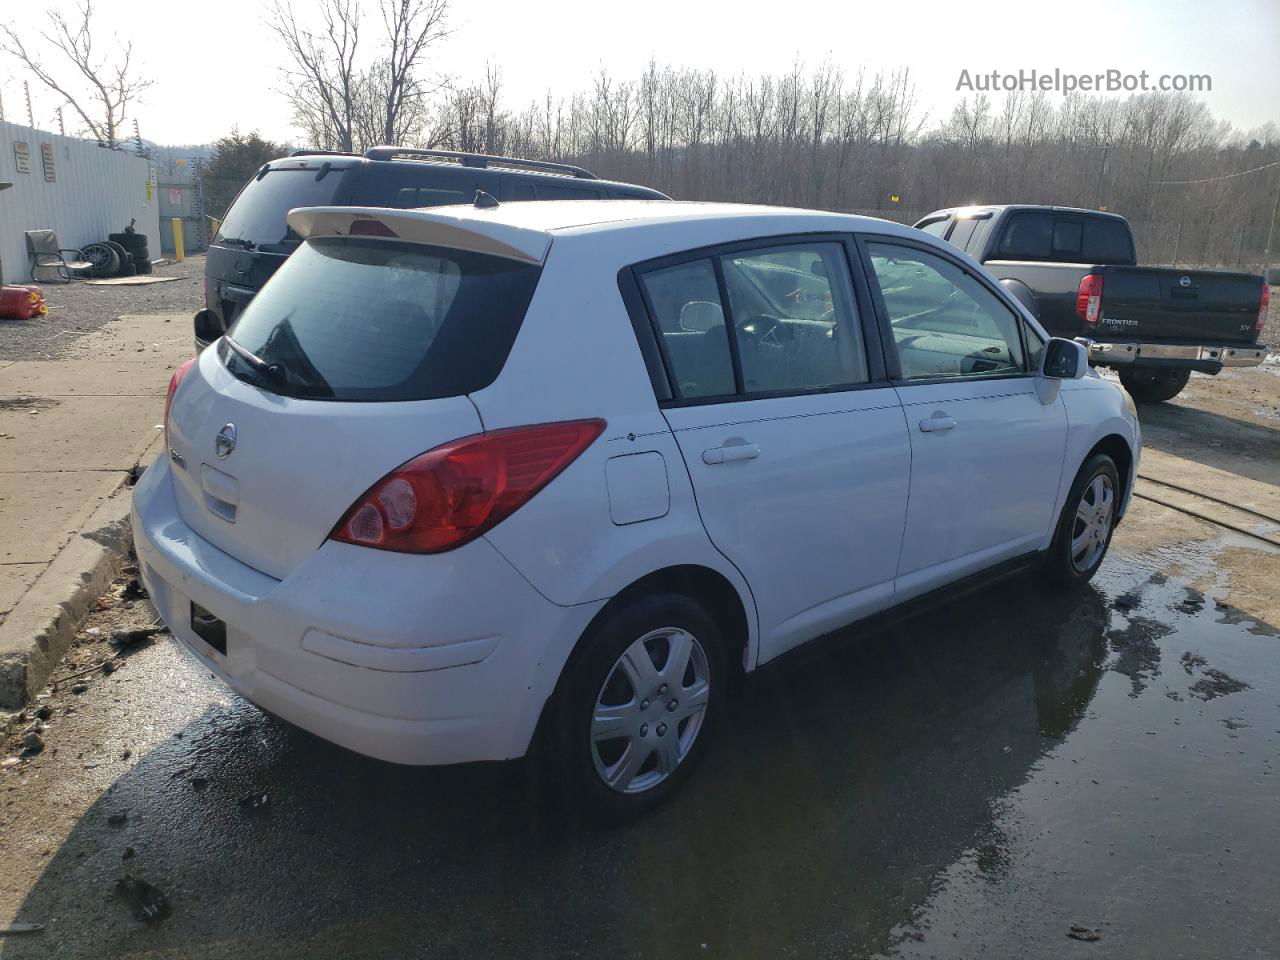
794	441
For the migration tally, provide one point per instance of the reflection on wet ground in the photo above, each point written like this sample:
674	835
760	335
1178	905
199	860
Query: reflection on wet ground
971	782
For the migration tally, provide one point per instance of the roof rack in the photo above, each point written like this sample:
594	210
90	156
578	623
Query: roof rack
476	160
321	153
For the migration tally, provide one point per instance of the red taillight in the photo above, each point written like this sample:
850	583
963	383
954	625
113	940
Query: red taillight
457	491
1089	299
173	388
1262	310
370	228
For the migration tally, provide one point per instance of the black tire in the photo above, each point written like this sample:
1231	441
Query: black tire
143	265
103	256
569	747
126	259
1062	564
135	242
1154	386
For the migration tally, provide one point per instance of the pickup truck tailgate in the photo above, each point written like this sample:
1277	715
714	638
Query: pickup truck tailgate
1157	303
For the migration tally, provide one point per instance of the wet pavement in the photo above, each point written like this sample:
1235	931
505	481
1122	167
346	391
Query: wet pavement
972	782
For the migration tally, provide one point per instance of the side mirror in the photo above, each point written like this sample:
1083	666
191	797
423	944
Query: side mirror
1063	360
699	316
208	329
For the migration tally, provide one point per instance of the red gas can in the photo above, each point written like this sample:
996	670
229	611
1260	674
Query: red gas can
19	302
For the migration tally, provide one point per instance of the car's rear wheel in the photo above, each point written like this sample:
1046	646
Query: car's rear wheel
638	704
1087	523
1154	386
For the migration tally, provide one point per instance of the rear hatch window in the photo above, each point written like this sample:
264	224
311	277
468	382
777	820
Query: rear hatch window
365	319
257	217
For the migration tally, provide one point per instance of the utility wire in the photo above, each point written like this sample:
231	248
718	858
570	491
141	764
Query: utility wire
1225	176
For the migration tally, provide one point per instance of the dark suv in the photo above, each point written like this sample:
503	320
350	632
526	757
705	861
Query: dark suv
254	239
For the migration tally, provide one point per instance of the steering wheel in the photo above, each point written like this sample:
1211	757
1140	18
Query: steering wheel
765	328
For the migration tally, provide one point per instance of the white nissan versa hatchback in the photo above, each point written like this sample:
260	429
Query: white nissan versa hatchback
461	475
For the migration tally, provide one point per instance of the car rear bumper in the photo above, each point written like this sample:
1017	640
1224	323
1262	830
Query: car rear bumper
411	659
1208	357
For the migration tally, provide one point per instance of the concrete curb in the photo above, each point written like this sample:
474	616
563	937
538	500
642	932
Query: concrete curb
40	628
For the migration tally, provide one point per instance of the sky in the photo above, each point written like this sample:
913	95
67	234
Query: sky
216	65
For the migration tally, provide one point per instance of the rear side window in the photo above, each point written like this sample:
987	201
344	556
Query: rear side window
375	320
554	191
408	198
962	232
1028	236
685	302
790	324
936	227
1107	241
259	212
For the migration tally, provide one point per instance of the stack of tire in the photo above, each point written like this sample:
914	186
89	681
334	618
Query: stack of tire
120	255
136	245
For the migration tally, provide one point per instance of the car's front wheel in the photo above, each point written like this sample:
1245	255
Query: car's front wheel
638	703
1088	520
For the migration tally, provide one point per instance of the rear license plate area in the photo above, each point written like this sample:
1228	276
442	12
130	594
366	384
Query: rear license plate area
209	628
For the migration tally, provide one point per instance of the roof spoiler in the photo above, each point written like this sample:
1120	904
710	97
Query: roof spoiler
423	226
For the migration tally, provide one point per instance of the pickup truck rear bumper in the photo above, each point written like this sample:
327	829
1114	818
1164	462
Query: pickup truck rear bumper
1203	357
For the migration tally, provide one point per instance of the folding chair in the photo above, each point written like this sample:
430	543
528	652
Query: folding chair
46	255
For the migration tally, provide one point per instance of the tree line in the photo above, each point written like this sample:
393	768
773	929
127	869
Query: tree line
816	136
1196	190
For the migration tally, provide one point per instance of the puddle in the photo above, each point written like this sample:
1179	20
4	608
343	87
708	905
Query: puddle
975	781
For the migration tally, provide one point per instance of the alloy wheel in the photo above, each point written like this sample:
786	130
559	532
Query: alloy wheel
650	710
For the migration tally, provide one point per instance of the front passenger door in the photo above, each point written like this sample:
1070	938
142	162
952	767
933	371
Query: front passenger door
986	454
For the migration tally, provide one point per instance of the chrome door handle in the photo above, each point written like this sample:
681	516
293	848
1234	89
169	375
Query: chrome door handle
737	451
935	424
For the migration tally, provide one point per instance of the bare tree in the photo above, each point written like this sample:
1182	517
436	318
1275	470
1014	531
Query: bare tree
322	78
101	87
346	100
412	28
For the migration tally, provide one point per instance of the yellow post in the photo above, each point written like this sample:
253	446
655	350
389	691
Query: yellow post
214	226
179	254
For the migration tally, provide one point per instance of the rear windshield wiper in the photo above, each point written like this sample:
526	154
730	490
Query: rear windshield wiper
237	242
272	371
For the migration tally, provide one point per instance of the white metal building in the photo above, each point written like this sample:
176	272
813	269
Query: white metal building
74	187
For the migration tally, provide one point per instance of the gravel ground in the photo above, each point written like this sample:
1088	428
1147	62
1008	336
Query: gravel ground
80	308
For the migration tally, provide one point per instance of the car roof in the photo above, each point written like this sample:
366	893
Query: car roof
523	230
987	209
495	166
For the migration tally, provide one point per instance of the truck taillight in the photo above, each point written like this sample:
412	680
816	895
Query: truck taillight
168	397
1089	299
455	492
1262	310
